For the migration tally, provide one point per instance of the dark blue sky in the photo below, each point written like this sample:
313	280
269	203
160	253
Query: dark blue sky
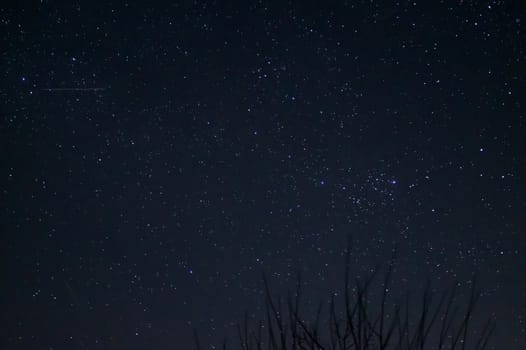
156	158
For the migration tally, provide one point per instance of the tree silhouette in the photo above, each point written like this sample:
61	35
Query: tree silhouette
361	323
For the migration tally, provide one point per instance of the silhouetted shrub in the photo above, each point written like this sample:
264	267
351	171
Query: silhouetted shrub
357	322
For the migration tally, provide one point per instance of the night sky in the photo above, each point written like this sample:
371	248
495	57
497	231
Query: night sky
156	159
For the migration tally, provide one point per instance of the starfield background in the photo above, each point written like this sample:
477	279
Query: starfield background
156	158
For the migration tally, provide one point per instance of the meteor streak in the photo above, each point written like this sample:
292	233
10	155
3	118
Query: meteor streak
74	89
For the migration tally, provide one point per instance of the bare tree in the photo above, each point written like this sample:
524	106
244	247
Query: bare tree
436	324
